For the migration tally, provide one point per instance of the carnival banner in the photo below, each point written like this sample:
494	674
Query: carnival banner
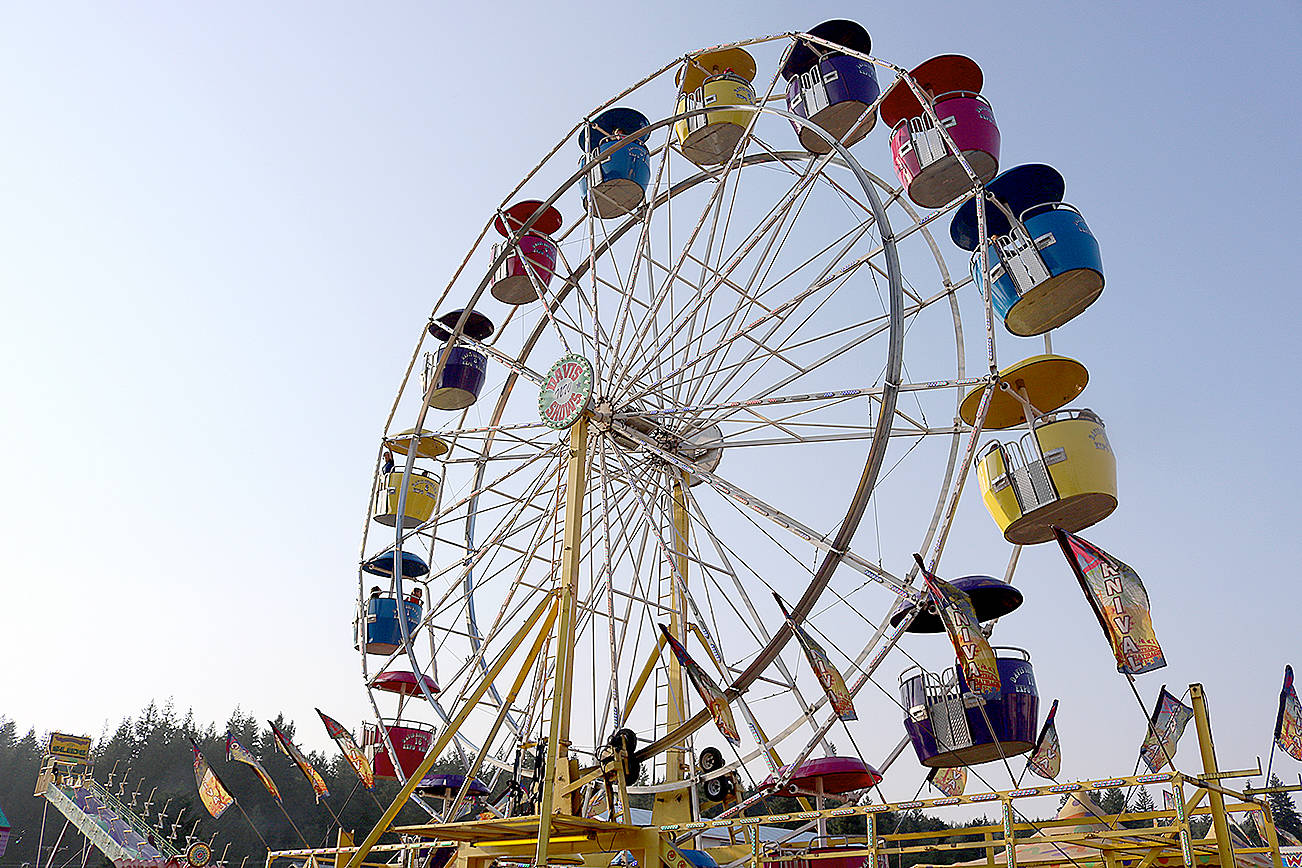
711	694
1046	759
976	660
238	753
828	677
215	797
287	746
1119	601
355	755
951	781
1170	717
1288	721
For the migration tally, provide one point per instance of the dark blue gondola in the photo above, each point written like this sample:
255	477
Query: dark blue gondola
617	184
383	632
1045	266
948	730
991	598
463	376
412	566
830	88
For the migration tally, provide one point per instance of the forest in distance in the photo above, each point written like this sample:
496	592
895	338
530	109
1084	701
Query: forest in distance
150	753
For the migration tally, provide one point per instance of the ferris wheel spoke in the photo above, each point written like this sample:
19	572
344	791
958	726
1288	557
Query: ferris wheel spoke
771	222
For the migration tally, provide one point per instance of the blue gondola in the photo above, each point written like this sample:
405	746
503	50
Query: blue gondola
459	384
1044	261
383	632
412	566
830	88
617	184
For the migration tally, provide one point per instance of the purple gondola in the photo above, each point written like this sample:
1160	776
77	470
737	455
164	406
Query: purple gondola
925	164
531	261
991	598
1045	266
831	88
459	384
616	184
947	730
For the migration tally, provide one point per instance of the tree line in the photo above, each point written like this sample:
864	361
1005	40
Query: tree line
149	755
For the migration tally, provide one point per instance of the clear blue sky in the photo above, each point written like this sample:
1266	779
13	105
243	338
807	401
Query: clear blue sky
220	226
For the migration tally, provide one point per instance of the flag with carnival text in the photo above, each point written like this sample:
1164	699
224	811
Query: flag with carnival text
976	659
1170	717
1119	601
828	677
214	795
951	782
711	694
288	748
354	754
1288	722
236	752
1046	759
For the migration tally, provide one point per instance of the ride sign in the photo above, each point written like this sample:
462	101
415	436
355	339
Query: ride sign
566	392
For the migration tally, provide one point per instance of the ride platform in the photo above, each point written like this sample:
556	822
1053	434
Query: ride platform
483	841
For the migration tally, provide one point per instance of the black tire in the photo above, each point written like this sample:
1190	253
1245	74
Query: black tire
718	789
711	759
626	740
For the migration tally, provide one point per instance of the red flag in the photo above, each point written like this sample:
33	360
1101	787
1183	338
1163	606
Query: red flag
354	754
215	797
1288	722
711	694
828	677
1119	601
976	659
1046	760
287	746
236	752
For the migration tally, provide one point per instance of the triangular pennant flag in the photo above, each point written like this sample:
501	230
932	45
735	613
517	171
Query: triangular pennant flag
828	677
215	797
1046	759
711	694
1288	722
354	754
976	659
1170	717
287	746
237	753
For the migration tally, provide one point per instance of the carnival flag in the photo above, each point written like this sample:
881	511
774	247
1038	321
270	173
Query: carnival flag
1167	724
215	797
1288	722
828	676
976	659
711	694
287	746
356	758
1119	601
1046	760
237	752
951	782
1168	800
1259	823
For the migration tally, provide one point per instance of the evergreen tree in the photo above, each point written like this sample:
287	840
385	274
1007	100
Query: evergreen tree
1143	803
1283	810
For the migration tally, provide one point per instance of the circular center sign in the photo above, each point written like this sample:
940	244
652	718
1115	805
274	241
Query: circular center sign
565	392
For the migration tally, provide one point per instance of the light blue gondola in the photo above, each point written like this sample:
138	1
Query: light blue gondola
1045	266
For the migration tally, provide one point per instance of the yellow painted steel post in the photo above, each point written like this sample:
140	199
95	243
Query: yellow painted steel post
557	777
1010	839
1272	840
675	806
1214	797
1182	817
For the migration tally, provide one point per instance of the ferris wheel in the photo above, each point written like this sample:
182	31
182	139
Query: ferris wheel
703	377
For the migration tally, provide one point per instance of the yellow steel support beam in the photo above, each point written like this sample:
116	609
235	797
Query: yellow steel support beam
557	776
386	819
675	806
1199	701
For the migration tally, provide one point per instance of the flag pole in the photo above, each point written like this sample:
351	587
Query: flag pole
306	845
